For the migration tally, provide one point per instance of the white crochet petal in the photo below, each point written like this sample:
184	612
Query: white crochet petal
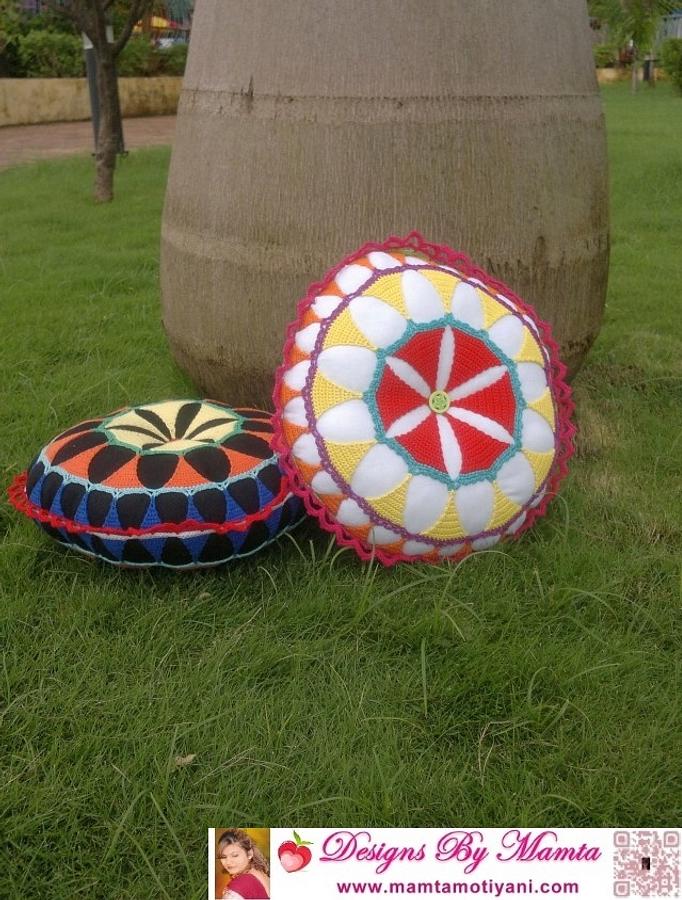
353	276
378	472
347	422
295	376
349	367
474	504
380	323
536	432
425	503
516	479
421	298
533	380
306	337
508	333
466	305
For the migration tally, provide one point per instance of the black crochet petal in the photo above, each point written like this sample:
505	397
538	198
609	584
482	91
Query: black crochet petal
154	420
257	536
101	549
131	509
185	417
211	504
248	444
258	425
79	541
196	434
49	488
78	444
216	549
271	477
71	499
35	473
53	532
245	493
210	462
172	506
175	553
97	507
107	461
156	469
134	551
285	518
82	426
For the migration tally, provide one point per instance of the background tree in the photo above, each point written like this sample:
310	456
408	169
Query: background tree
404	128
633	20
91	17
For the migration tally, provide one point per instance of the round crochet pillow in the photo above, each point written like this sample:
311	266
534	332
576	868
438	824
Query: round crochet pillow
183	484
422	411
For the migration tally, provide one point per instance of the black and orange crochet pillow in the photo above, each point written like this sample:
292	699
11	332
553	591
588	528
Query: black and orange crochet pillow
181	484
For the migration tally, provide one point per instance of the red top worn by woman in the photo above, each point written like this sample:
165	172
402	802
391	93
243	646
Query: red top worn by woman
247	887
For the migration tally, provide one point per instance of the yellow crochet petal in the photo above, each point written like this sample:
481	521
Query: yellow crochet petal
392	505
541	463
545	407
492	309
345	457
530	351
444	282
504	510
344	331
389	289
326	393
449	525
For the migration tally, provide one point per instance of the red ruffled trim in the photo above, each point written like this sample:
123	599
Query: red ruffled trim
439	253
20	501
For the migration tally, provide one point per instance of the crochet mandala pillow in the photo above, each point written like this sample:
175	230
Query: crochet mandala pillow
182	484
421	409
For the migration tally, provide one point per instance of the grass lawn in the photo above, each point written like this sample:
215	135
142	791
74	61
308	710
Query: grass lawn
535	686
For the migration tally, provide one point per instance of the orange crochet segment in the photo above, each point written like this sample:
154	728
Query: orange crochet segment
422	410
181	484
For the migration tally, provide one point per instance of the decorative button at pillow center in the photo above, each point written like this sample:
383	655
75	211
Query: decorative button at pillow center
439	402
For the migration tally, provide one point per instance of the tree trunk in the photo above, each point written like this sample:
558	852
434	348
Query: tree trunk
109	127
634	74
308	127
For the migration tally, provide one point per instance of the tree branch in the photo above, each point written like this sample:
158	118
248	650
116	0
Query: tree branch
137	10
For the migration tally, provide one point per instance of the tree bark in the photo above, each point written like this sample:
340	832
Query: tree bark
109	125
321	127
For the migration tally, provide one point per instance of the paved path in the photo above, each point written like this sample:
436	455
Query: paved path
26	143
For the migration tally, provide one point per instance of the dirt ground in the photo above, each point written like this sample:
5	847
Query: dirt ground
26	143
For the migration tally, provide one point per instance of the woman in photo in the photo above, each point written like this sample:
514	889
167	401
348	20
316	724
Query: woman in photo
248	868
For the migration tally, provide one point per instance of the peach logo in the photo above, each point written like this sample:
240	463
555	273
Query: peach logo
294	855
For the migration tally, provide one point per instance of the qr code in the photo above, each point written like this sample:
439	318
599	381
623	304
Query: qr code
646	864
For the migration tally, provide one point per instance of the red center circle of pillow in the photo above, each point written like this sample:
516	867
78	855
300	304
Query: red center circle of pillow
464	417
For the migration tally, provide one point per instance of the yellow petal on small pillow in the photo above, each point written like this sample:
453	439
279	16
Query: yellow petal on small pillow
545	406
392	505
343	330
444	282
346	457
504	510
325	394
530	351
449	525
540	463
389	289
492	309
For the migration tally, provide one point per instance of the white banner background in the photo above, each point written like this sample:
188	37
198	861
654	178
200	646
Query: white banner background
470	862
